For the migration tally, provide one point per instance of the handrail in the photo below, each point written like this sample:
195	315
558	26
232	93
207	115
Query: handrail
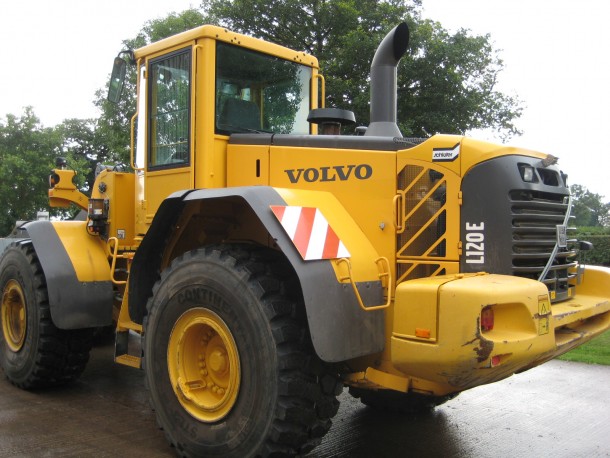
384	273
399	213
322	88
114	252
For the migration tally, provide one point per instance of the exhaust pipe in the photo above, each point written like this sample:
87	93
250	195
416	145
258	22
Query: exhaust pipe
383	82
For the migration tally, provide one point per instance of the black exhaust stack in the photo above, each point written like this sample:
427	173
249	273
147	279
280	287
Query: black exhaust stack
383	82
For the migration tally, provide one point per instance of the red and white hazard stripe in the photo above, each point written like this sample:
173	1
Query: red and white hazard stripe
310	232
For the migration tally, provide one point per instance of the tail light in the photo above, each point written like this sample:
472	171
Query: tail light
487	319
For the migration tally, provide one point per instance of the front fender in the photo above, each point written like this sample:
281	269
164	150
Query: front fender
77	273
340	329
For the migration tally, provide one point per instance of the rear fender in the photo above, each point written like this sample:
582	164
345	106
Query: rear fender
340	330
77	273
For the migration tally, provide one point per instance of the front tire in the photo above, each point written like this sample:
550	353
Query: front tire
33	352
228	359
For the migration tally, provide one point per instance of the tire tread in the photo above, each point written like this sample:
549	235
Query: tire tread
61	355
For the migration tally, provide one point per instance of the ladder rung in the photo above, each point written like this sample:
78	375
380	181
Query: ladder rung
129	360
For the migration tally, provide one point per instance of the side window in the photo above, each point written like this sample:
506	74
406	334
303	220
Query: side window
257	92
169	115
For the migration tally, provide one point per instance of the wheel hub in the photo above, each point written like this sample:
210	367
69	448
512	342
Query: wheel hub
13	315
203	365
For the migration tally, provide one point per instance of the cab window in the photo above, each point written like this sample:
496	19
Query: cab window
169	102
256	92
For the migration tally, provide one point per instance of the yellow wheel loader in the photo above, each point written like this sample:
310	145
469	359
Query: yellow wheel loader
255	261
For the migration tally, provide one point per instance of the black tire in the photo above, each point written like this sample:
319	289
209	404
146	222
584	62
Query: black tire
395	401
33	352
285	396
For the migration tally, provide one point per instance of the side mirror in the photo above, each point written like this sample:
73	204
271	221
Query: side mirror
117	79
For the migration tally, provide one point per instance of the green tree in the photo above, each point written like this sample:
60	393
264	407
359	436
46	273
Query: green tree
27	155
27	152
446	82
86	148
588	208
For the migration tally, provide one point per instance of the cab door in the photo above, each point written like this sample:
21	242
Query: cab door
169	127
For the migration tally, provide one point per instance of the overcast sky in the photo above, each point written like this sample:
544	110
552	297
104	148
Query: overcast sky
55	54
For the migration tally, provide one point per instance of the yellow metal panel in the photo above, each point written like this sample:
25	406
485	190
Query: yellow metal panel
462	356
210	159
160	184
585	315
87	252
416	308
476	151
215	173
424	151
364	182
119	189
247	165
377	378
362	251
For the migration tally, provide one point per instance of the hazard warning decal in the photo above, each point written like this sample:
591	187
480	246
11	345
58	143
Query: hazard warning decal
310	232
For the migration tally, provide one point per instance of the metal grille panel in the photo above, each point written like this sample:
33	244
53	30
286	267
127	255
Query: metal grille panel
535	217
423	234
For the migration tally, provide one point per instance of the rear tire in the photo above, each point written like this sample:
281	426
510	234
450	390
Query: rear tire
33	352
228	361
395	401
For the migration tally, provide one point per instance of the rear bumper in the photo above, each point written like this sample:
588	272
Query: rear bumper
457	355
585	315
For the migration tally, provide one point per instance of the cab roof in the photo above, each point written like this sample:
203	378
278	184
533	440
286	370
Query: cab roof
222	34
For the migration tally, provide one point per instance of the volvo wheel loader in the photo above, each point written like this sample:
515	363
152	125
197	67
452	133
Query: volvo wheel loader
255	261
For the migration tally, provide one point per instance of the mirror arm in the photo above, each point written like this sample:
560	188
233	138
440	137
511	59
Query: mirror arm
129	54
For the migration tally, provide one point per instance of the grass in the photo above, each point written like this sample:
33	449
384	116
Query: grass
596	351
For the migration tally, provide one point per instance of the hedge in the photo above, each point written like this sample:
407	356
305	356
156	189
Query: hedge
600	238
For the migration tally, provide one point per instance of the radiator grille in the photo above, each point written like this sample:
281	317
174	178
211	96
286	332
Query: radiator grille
535	217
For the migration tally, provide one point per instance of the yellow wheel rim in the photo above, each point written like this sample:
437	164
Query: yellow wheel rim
203	365
13	315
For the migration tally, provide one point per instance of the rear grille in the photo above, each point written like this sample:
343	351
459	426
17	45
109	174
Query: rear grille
422	240
535	217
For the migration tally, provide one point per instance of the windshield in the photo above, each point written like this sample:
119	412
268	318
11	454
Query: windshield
260	93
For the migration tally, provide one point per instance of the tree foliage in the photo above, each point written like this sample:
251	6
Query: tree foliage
27	155
446	82
588	208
